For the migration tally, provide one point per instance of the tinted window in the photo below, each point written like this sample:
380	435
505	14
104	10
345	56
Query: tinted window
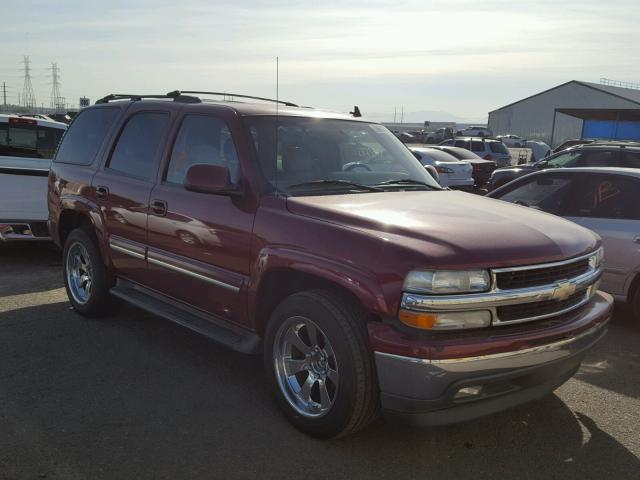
28	140
599	158
462	144
543	192
604	196
498	147
477	146
85	136
137	148
205	140
631	160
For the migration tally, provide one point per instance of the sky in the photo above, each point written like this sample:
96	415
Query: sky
435	60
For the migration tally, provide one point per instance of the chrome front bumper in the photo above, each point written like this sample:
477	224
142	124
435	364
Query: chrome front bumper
432	387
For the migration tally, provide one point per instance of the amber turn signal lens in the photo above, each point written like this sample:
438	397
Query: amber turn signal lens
422	320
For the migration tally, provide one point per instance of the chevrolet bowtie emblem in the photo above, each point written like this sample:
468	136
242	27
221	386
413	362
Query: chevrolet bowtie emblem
564	290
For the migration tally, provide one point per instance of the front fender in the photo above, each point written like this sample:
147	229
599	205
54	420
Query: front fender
361	284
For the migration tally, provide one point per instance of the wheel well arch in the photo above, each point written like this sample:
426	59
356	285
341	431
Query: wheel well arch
634	285
68	221
279	283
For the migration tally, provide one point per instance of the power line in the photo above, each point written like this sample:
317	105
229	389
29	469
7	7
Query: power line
28	97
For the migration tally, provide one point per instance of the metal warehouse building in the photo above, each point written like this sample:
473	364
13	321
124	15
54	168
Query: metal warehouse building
572	110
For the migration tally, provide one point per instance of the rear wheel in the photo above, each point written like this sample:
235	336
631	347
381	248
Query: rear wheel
320	365
85	275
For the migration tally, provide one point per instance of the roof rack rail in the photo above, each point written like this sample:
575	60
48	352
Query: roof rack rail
175	95
225	94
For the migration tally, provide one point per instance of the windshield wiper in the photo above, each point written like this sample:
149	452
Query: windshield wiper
338	183
407	181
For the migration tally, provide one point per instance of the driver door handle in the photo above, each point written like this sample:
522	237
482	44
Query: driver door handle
159	207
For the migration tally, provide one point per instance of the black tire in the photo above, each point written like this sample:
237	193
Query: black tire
356	398
99	302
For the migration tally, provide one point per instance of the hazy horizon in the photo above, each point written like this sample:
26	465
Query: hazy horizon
457	59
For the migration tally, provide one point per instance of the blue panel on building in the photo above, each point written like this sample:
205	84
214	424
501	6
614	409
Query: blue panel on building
611	129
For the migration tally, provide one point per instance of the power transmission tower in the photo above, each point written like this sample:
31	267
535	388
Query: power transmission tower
4	96
28	97
57	101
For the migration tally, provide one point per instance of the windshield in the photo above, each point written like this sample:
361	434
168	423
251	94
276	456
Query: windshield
333	156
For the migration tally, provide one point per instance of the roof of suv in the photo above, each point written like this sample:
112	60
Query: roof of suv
250	108
634	146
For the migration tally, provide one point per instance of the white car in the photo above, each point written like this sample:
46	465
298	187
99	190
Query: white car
512	141
27	145
476	131
451	171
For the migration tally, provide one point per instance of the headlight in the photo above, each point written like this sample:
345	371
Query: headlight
595	260
447	281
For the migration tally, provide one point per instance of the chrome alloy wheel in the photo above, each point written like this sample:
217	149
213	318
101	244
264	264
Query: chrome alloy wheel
306	367
79	273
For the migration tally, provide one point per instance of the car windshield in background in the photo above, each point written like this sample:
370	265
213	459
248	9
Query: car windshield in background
319	156
27	140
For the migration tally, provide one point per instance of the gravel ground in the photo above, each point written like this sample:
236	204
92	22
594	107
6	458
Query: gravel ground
135	397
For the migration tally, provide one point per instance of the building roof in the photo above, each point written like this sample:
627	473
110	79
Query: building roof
629	94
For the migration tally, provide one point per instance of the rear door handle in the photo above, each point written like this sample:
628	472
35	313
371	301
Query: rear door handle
159	207
102	192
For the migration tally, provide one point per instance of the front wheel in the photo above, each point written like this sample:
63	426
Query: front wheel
320	365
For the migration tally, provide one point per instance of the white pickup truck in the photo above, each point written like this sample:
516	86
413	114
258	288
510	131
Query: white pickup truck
26	147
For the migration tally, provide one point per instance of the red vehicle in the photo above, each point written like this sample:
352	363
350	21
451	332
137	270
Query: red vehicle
319	241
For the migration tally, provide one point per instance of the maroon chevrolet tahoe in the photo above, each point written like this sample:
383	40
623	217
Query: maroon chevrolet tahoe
319	241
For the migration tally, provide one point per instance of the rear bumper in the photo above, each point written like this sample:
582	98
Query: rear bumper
24	230
449	390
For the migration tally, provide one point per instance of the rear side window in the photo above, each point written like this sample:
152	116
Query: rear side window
202	139
137	148
498	147
605	196
477	146
631	160
462	144
85	136
24	138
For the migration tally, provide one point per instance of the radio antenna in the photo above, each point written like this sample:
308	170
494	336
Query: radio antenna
277	119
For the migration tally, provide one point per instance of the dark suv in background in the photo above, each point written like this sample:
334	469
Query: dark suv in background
319	241
601	154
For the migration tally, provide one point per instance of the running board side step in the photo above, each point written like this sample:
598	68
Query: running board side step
185	316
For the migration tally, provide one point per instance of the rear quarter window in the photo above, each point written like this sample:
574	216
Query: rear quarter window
498	147
85	136
477	146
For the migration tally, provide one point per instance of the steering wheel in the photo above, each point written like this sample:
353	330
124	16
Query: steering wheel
347	167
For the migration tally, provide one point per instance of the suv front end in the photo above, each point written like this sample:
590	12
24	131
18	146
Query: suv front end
514	335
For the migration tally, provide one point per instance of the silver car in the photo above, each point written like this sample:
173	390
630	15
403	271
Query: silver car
605	200
451	171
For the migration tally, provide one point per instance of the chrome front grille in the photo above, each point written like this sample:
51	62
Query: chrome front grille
522	294
532	277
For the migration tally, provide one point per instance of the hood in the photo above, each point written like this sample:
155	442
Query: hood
449	229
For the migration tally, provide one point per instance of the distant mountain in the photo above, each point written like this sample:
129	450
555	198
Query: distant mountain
415	117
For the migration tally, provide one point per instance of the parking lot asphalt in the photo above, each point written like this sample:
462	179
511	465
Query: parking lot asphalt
134	397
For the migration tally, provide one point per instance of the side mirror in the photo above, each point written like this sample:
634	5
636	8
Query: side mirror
433	172
205	178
